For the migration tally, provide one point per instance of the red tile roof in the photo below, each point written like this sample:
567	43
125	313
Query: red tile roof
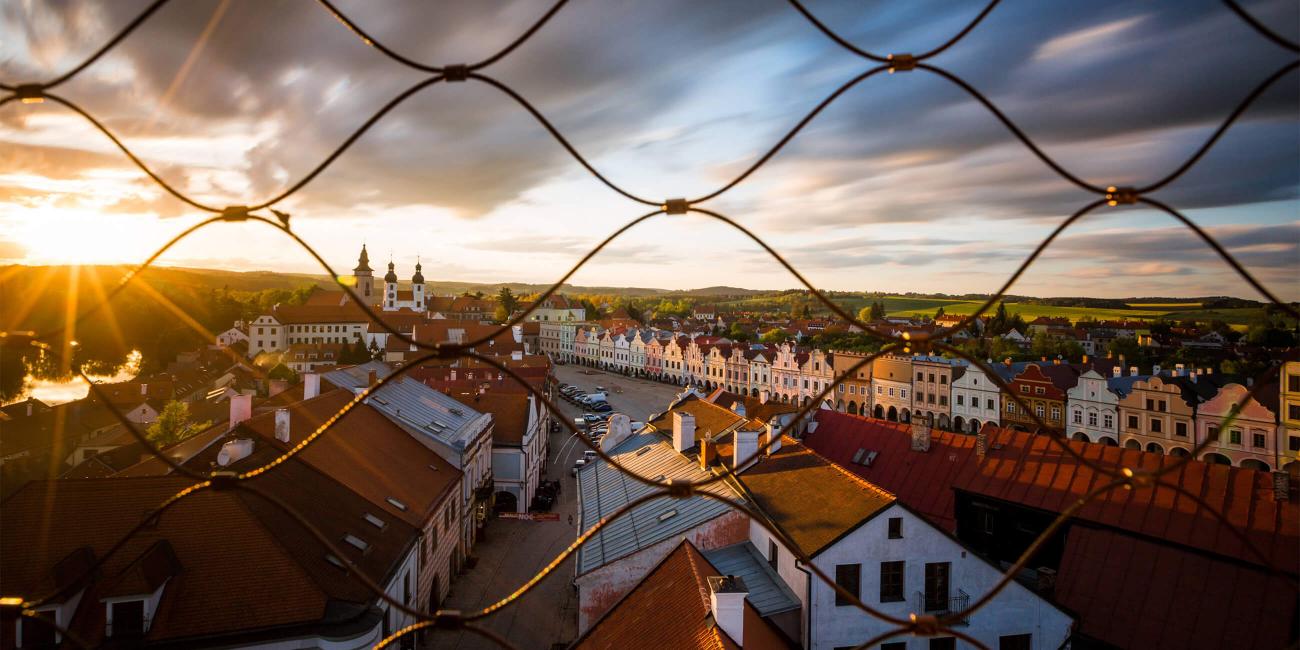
1142	594
47	522
670	608
1033	471
1143	567
365	451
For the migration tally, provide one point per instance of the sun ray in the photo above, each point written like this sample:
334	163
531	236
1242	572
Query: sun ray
30	296
96	285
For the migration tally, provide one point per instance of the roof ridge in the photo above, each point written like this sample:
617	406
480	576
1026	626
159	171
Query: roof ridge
871	487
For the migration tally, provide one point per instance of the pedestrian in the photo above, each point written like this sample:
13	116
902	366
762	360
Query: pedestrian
570	519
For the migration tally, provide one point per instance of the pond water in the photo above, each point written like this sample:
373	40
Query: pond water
60	391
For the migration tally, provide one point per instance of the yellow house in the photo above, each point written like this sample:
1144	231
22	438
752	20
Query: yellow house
1289	432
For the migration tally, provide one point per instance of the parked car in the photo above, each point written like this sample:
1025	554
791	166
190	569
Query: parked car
589	455
577	466
602	407
592	418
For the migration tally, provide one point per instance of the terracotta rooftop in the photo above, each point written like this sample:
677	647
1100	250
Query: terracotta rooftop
710	419
509	414
670	608
814	501
205	598
1032	470
1139	566
364	451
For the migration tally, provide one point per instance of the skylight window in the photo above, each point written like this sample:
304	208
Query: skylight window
667	515
642	451
396	504
335	561
359	543
375	521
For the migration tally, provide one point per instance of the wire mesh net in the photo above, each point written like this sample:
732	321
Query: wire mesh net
264	212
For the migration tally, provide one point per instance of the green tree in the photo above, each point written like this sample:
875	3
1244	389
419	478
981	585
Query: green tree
774	335
878	310
938	314
506	298
281	371
173	425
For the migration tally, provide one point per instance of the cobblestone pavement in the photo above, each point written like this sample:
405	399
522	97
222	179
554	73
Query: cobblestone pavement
513	551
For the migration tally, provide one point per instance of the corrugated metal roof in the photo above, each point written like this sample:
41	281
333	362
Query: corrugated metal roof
603	489
413	405
767	591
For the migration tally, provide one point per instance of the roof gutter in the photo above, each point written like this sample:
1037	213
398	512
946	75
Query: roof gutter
807	590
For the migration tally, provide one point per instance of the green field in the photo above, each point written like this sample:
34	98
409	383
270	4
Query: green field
1242	316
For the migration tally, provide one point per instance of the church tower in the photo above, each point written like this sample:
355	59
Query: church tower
390	288
364	278
417	287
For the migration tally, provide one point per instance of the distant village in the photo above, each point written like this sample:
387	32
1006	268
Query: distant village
914	484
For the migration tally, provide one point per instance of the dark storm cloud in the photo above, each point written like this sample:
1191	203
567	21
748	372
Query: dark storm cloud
1118	91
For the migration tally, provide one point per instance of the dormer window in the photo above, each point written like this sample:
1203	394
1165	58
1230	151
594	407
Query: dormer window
126	619
38	634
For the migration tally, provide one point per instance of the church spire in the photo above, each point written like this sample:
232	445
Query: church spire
418	278
363	262
391	276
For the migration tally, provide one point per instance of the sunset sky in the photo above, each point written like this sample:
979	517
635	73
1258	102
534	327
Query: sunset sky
903	184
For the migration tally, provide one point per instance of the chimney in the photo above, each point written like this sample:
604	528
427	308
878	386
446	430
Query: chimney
1180	370
773	434
371	378
1056	361
517	355
1200	371
1085	359
738	407
745	448
234	451
1133	371
1117	371
1155	369
683	431
1110	354
29	407
727	602
241	408
282	425
1043	359
708	452
1046	581
144	389
276	387
920	437
1209	370
1281	486
981	445
310	385
765	395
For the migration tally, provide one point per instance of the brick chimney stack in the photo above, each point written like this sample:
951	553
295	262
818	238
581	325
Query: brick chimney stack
1281	486
981	445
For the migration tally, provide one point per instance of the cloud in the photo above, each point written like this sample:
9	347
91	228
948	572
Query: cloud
11	251
663	98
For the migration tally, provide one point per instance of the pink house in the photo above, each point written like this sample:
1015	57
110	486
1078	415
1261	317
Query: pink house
1249	440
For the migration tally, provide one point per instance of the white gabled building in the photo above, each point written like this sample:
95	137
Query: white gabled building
976	401
1092	409
889	556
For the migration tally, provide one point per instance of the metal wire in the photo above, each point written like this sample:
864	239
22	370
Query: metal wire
922	625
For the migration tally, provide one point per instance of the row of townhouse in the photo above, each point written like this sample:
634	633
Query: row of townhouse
1167	411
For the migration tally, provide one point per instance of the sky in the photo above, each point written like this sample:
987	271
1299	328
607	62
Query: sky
904	183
